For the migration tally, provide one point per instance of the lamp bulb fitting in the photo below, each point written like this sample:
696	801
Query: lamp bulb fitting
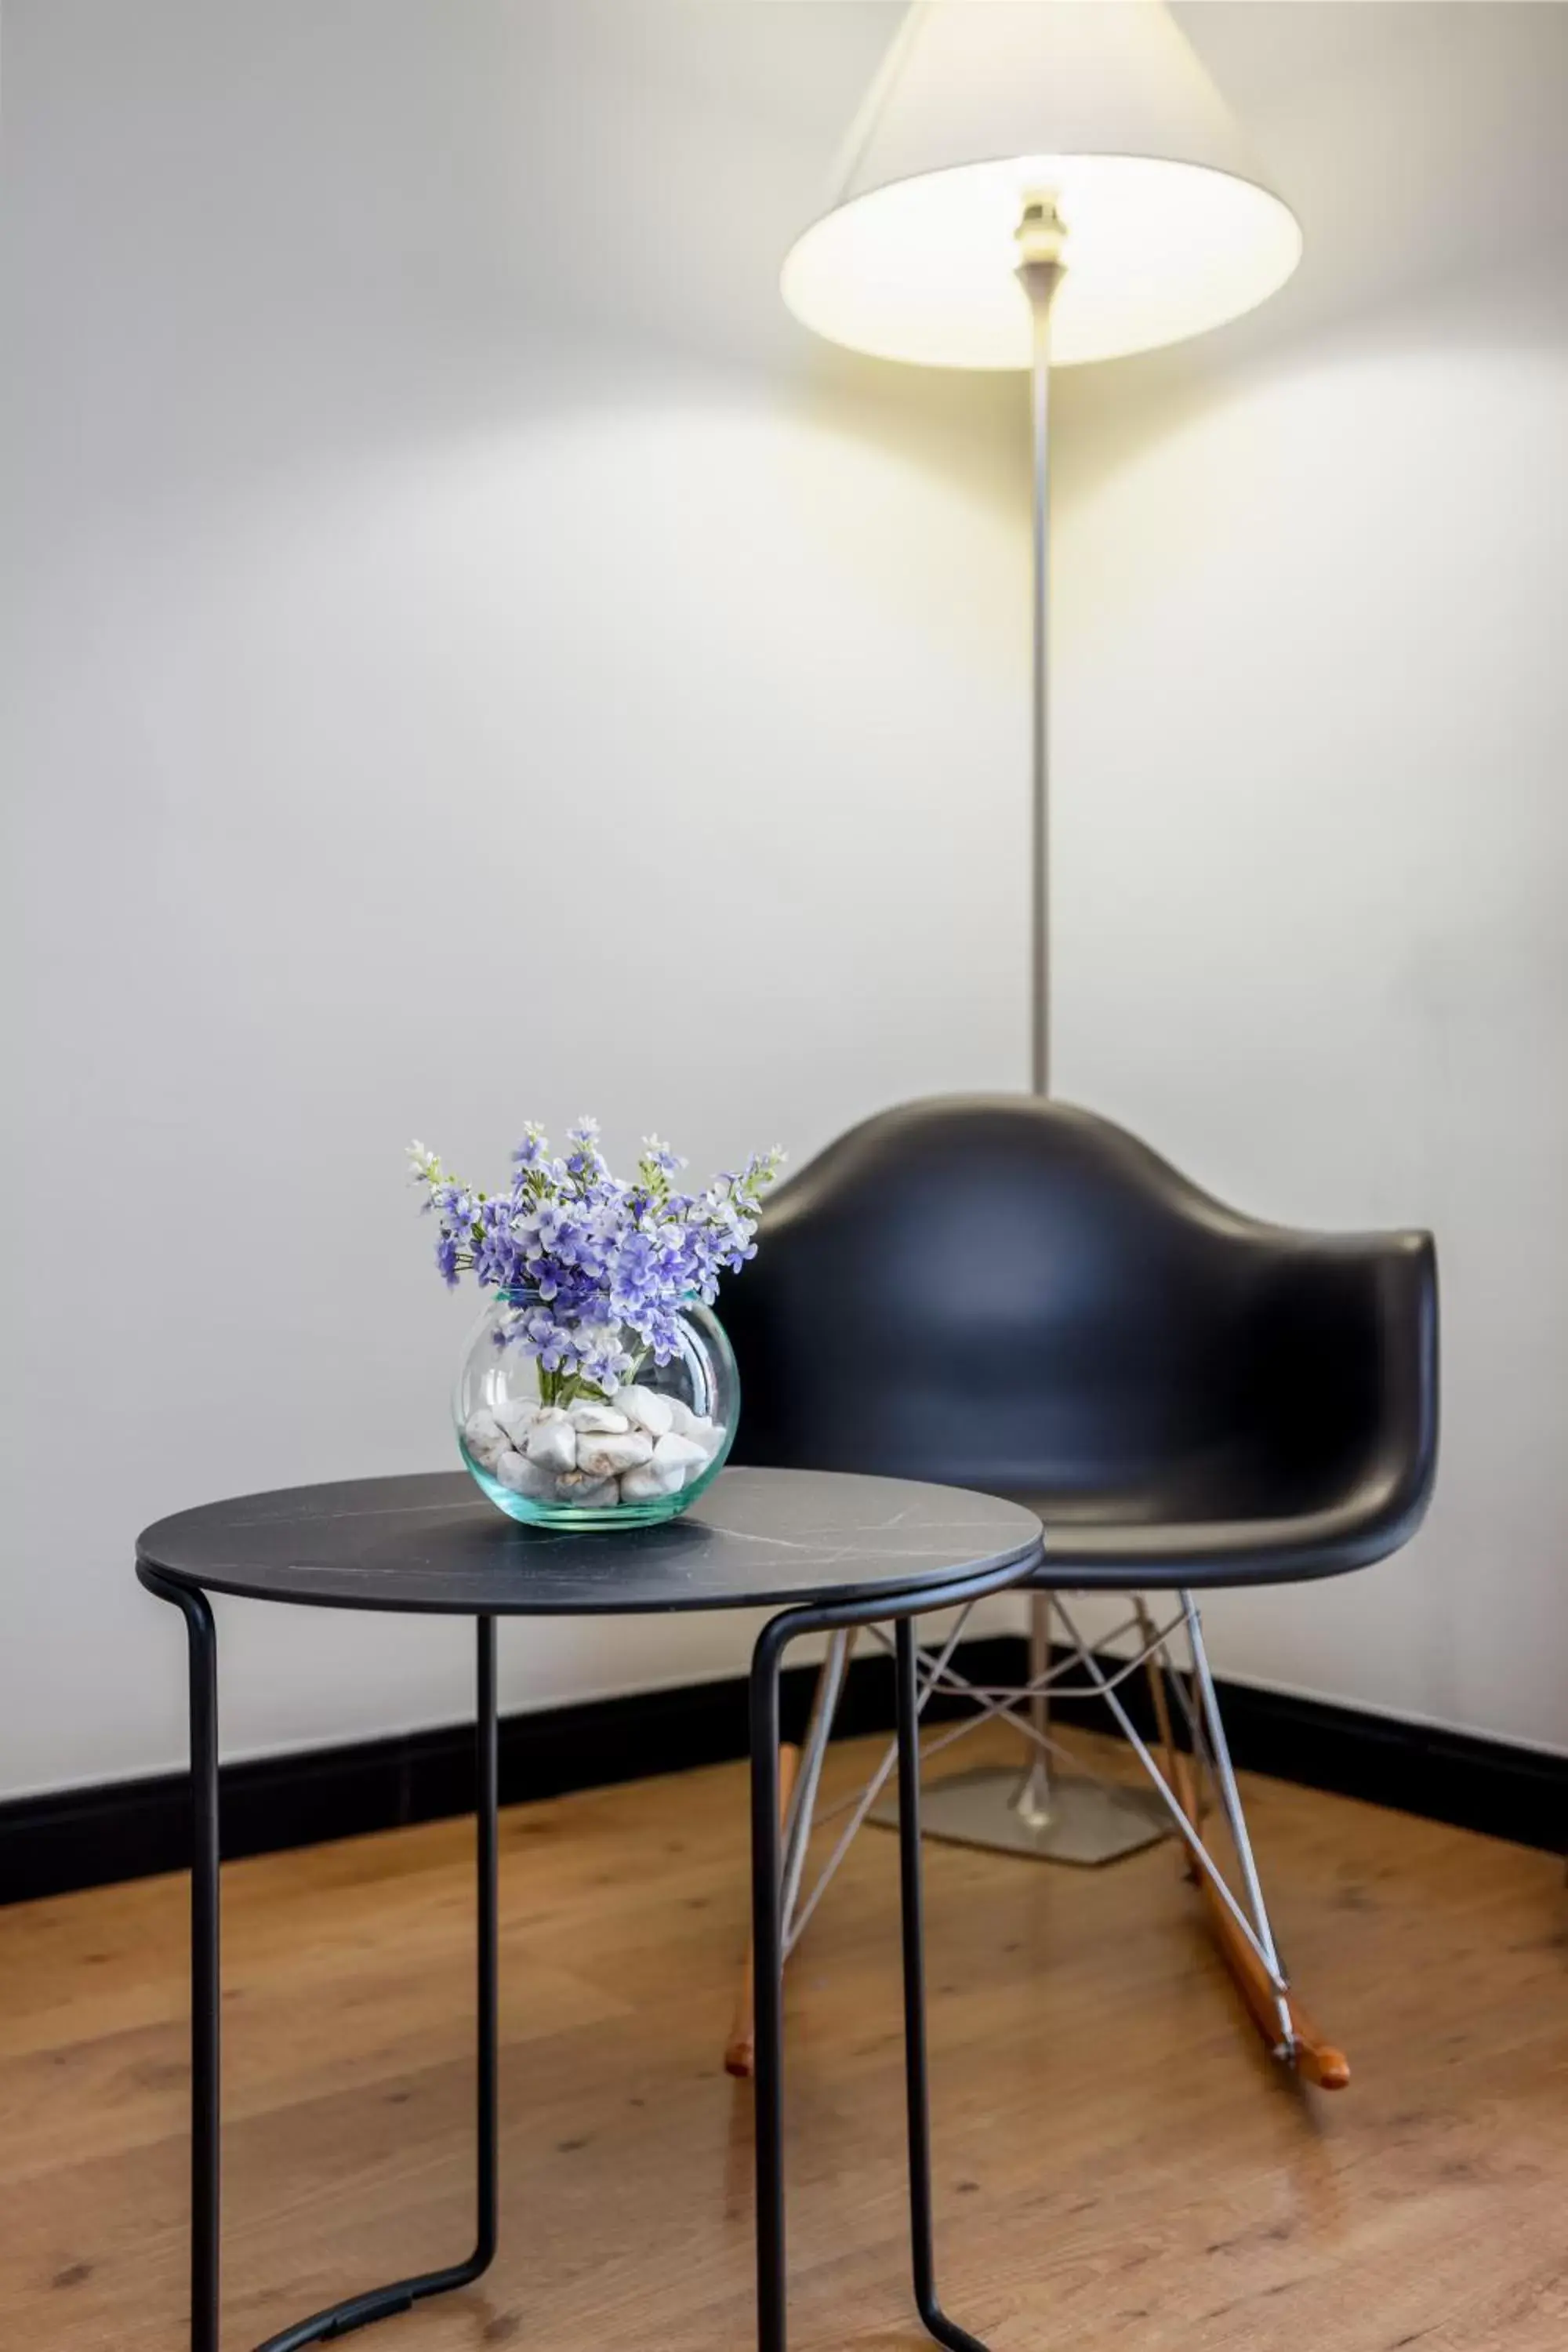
1042	231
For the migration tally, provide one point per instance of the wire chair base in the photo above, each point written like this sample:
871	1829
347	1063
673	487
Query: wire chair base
1067	1817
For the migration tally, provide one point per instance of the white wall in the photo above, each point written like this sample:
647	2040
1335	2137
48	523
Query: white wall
472	659
1312	732
452	604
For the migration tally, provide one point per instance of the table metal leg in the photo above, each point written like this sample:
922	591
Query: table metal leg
201	1641
916	2073
767	1984
767	1938
382	2301
487	1831
377	2303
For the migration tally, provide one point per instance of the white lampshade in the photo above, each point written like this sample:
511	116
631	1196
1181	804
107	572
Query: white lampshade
1101	104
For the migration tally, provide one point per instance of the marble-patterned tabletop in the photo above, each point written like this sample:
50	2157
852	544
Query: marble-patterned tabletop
756	1539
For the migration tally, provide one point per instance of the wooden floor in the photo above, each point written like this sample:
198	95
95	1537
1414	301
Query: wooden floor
1117	2163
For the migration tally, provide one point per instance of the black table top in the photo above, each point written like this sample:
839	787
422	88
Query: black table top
757	1538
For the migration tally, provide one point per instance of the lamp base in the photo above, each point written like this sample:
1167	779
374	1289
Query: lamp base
1081	1822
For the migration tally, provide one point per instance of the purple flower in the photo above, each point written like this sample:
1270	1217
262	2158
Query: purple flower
599	1268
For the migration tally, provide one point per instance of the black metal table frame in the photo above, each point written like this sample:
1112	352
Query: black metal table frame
381	2303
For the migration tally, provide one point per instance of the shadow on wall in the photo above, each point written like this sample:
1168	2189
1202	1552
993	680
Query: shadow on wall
293	236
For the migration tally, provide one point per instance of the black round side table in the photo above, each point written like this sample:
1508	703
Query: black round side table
823	1549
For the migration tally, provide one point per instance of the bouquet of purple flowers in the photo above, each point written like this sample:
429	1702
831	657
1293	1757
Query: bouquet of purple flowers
595	1270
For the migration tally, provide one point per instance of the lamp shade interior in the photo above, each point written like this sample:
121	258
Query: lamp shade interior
1101	104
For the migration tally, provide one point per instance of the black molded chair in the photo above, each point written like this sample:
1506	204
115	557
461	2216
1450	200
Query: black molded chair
1012	1295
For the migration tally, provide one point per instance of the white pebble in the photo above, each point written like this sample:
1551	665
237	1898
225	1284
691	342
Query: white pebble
680	1417
680	1454
648	1409
597	1417
517	1417
571	1486
653	1479
608	1457
708	1435
484	1436
522	1477
552	1441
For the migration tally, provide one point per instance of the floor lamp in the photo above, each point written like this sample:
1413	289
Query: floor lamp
1030	183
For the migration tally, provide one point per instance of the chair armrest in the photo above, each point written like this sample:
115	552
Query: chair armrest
1347	1345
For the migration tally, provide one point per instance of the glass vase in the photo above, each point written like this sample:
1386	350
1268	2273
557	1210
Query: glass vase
552	1450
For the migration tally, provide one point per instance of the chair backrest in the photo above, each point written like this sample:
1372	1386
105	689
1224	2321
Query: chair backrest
1015	1294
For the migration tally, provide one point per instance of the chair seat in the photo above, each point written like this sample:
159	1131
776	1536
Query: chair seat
1136	1540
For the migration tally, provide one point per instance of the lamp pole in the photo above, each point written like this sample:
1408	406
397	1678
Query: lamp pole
1040	272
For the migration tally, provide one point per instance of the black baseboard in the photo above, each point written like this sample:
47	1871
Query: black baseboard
52	1844
1491	1785
133	1828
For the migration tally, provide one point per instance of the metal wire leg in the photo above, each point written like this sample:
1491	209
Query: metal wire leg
205	2089
379	2303
1077	1816
803	1807
767	1994
768	1940
916	2075
1033	1797
383	2302
487	2036
1230	1798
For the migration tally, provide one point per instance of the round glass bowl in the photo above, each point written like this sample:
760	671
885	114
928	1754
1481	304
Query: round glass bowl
555	1451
